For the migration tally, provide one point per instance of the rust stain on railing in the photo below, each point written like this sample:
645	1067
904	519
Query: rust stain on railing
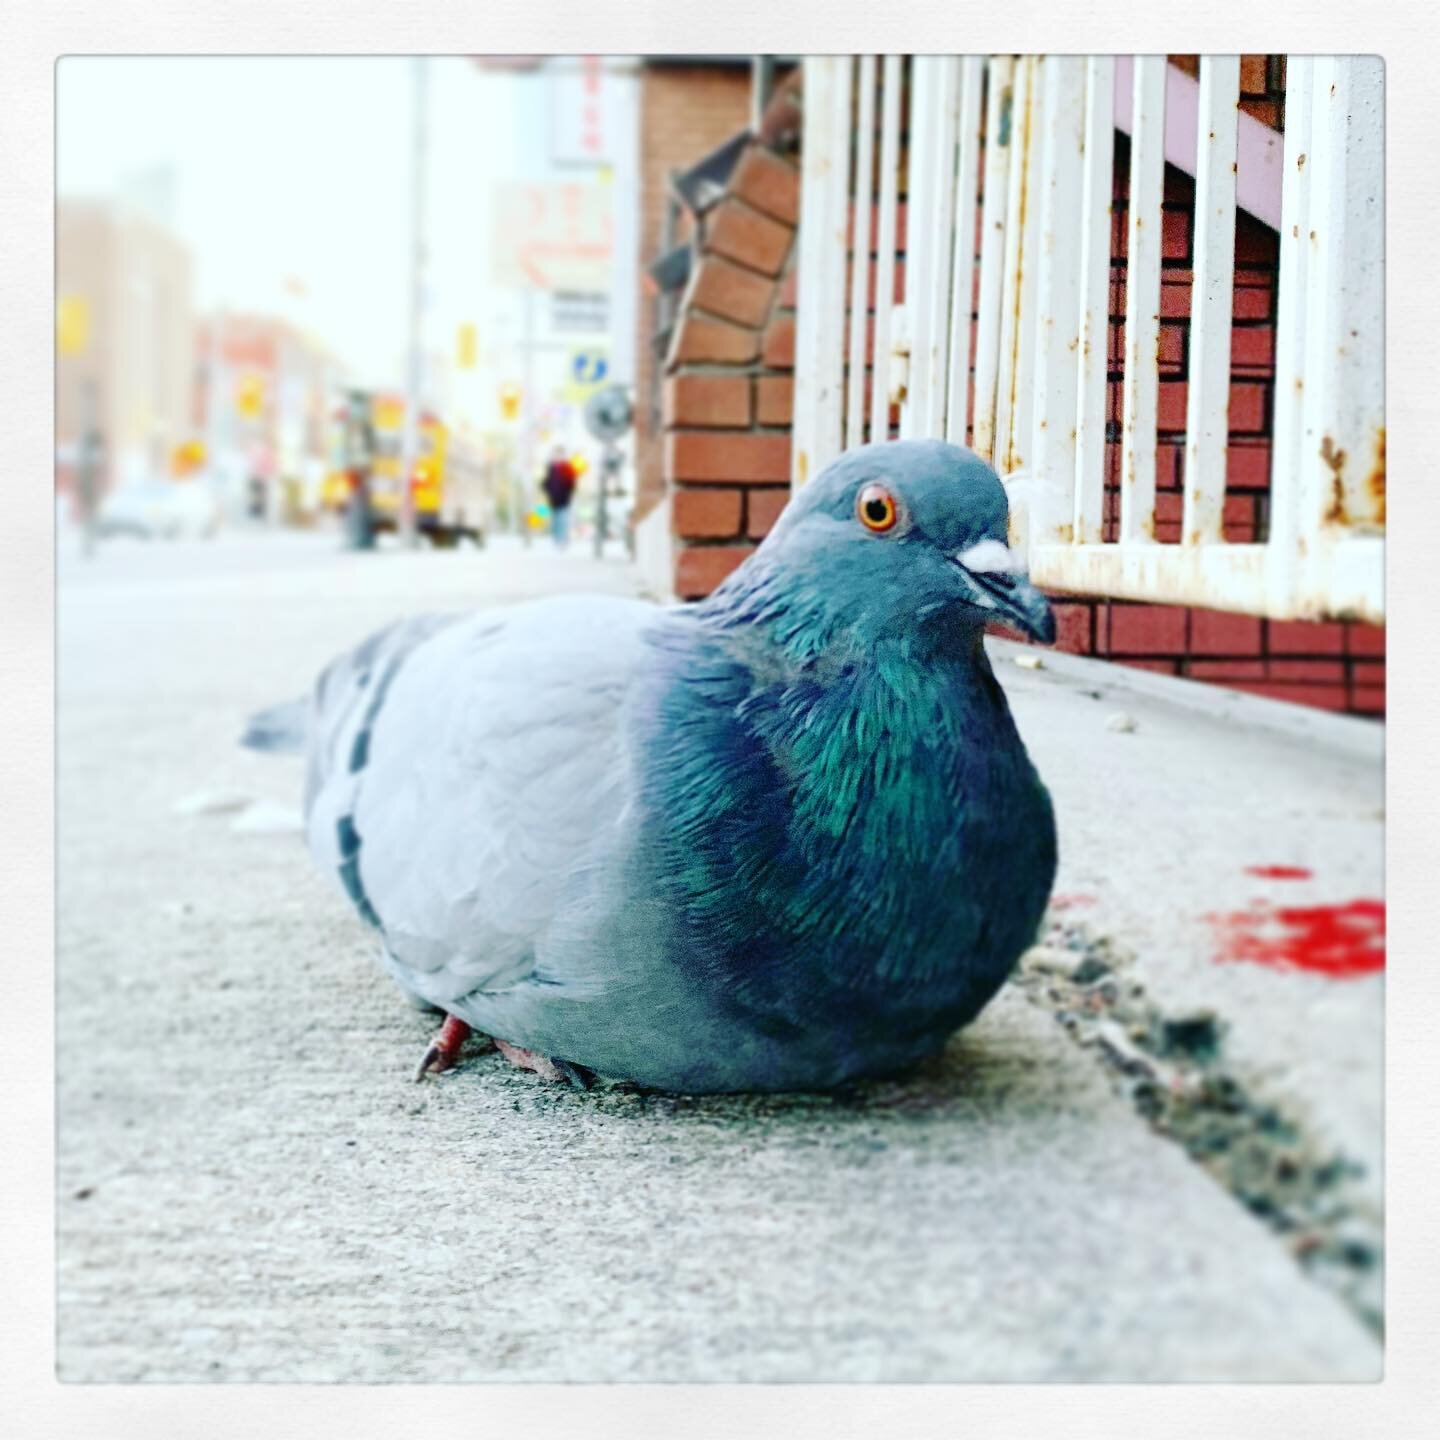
1375	480
1355	504
1334	458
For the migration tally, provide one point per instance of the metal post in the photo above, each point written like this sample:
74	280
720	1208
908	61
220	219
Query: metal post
410	446
527	422
762	84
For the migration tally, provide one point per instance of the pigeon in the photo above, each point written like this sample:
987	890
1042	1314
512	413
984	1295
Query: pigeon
784	838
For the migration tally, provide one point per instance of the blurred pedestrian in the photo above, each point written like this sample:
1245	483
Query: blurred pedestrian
89	466
559	488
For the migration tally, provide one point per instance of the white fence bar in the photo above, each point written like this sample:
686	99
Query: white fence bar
999	145
1096	217
1168	574
934	390
863	190
1042	325
924	119
962	275
1142	302
1342	474
1207	416
1017	290
820	324
1292	306
1057	320
885	247
1345	343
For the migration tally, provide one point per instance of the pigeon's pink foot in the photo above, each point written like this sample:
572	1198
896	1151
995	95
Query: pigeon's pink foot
445	1048
547	1067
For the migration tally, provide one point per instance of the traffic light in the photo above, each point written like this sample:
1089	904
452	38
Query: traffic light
509	402
466	347
72	324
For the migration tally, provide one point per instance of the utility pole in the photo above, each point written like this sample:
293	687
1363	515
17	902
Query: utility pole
217	394
410	448
527	424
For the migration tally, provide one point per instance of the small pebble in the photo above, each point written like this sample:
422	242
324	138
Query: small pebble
1028	661
1120	722
1196	1034
210	802
1050	960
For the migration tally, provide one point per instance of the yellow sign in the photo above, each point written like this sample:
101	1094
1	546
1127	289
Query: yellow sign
186	459
466	347
510	402
388	413
72	324
250	396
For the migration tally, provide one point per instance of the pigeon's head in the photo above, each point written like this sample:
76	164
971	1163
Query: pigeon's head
903	534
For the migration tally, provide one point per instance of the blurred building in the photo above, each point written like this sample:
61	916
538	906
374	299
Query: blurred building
262	394
124	288
563	258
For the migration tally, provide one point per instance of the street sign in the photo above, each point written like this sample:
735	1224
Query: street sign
551	236
608	415
588	368
582	126
586	372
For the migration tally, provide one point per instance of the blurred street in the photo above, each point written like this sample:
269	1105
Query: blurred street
251	1187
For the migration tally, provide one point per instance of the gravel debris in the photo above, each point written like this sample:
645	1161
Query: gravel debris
1172	1067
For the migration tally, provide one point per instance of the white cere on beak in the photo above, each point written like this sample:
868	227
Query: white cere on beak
989	557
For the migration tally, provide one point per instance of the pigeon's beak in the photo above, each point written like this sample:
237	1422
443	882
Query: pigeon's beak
992	574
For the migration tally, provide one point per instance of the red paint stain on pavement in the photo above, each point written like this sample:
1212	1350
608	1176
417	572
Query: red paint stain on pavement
1070	902
1279	872
1341	941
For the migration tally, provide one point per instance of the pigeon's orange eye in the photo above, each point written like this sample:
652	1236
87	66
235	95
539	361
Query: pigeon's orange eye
875	506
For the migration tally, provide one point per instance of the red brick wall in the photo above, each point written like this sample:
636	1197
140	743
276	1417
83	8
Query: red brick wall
727	425
686	111
727	394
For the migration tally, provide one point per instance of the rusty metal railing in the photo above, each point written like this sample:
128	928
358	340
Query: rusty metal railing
1002	337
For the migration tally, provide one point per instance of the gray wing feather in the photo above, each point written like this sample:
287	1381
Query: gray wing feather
344	704
495	791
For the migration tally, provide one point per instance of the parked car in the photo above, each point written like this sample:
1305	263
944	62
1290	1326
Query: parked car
160	510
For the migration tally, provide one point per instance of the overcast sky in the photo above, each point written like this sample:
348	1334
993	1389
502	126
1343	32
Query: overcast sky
300	168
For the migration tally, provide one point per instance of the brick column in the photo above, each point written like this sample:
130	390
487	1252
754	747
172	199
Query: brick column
727	392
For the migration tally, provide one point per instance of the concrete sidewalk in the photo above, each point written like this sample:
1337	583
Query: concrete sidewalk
252	1188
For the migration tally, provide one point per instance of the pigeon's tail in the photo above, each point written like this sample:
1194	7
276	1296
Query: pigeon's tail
280	730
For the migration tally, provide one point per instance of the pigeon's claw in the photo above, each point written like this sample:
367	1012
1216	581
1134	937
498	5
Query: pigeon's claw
444	1049
578	1077
548	1067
